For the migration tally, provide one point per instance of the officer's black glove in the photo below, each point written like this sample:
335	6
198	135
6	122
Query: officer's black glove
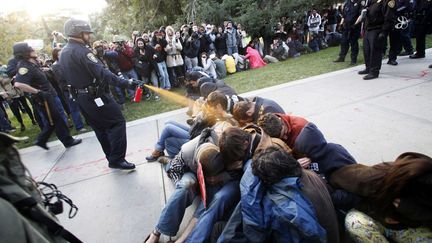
133	83
43	95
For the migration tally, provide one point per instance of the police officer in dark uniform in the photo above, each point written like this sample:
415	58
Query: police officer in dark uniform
422	21
380	19
90	81
30	78
351	30
403	10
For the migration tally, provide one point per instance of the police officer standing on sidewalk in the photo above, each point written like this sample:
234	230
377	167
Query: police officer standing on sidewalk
30	78
351	30
398	33
380	19
422	21
90	81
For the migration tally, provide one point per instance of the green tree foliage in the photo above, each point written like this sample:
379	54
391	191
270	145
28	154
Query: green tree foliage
257	16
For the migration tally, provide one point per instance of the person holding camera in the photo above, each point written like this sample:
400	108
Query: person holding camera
159	44
90	81
191	50
231	37
126	65
56	37
30	78
174	59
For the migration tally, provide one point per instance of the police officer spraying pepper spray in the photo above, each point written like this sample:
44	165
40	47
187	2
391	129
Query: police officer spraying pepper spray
380	17
30	78
89	82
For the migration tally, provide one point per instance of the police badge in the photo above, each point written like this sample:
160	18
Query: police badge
91	57
23	71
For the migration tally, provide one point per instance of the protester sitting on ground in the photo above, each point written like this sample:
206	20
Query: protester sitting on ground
183	171
221	104
306	140
250	110
295	47
208	65
288	203
314	43
254	57
221	70
278	51
397	203
172	137
229	64
208	85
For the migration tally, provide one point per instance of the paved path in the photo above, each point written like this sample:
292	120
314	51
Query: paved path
375	120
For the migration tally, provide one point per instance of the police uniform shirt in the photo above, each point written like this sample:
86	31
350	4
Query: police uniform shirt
83	69
31	74
351	11
381	15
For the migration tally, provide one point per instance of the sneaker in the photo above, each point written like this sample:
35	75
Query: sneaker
416	56
82	130
156	97
154	155
392	62
148	96
405	53
340	59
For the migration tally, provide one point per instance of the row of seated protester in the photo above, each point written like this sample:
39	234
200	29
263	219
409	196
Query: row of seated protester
265	176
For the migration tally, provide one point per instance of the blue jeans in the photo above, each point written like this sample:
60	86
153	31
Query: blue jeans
232	50
221	200
61	109
163	75
119	91
173	212
75	111
173	136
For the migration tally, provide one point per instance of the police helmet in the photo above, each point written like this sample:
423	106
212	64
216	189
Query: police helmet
22	50
74	27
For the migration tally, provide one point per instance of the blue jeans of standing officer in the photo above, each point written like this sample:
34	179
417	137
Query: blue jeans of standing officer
173	212
173	136
220	202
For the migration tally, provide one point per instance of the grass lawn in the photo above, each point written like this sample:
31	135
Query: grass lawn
292	69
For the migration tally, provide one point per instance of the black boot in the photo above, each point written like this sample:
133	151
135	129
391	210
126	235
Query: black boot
124	165
392	62
340	59
370	76
363	72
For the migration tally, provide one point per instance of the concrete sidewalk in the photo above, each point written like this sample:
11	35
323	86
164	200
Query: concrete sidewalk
376	120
